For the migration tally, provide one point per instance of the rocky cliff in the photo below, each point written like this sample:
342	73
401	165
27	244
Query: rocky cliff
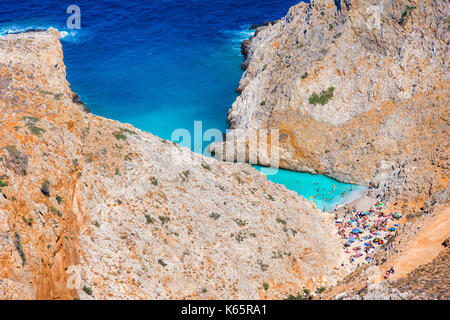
93	208
358	91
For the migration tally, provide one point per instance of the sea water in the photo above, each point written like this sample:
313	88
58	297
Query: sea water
326	192
161	65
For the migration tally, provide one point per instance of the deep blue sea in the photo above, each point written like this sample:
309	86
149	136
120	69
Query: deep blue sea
160	65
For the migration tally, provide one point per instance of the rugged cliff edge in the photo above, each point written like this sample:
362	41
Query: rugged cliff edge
359	93
93	208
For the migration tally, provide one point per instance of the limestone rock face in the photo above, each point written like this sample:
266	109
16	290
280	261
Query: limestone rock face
93	208
386	119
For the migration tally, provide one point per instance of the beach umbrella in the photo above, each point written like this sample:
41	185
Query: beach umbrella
348	243
355	231
392	229
351	239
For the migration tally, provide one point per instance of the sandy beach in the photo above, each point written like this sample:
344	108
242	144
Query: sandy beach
363	225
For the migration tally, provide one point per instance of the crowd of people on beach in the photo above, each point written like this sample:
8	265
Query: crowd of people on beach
363	231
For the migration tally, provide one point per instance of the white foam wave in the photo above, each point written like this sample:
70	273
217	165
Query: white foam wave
65	35
236	37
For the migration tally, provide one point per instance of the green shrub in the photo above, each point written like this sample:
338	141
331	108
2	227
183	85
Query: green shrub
58	199
149	219
87	289
321	289
45	188
405	15
2	182
28	221
122	130
34	129
19	248
305	75
161	262
262	265
323	98
297	297
119	136
276	255
214	216
241	223
164	219
154	181
266	286
186	173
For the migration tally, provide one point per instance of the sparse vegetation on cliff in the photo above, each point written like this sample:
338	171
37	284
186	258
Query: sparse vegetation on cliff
31	125
405	15
16	160
121	134
161	262
322	98
19	248
3	183
299	296
45	188
87	290
214	216
149	219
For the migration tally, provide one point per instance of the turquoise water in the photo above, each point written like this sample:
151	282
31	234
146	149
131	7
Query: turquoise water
324	191
160	65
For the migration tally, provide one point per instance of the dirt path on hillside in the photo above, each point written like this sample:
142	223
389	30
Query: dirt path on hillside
424	247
